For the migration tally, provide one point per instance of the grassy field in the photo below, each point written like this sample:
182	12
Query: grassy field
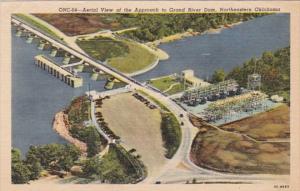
138	126
177	88
163	83
272	124
168	84
102	48
231	152
38	25
137	59
124	56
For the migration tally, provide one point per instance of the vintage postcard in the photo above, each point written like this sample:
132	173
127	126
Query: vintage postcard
147	95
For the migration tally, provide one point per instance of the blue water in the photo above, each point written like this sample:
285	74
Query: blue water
232	47
37	95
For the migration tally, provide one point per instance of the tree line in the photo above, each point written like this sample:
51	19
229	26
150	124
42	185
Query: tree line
155	26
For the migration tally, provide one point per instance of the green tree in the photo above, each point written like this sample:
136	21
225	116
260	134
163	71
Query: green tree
71	154
54	156
268	57
218	76
93	142
20	172
35	169
92	168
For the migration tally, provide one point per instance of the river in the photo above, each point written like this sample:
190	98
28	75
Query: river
37	96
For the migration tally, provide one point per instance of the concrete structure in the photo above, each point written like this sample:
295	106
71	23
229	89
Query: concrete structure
57	71
188	77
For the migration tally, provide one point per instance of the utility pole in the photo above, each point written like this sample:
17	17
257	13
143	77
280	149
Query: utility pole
89	95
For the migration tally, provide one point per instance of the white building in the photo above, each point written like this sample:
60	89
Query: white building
188	77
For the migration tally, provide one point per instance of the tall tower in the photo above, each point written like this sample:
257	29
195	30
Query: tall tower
254	80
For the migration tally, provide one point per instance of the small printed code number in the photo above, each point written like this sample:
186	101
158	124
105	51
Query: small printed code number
281	186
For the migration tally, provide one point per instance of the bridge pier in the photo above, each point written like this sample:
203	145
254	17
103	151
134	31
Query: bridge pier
29	39
18	33
69	59
43	45
56	51
53	52
21	32
97	74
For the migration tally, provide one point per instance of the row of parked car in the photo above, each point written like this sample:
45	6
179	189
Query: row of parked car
104	126
99	102
144	100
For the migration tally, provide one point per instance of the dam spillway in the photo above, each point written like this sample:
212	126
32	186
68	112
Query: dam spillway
57	71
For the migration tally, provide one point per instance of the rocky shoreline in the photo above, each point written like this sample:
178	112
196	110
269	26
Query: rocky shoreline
61	126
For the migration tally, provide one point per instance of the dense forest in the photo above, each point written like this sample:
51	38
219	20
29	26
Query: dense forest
149	26
155	26
274	68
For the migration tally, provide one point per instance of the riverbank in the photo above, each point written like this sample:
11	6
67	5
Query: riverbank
171	38
150	67
61	126
161	55
189	33
219	30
